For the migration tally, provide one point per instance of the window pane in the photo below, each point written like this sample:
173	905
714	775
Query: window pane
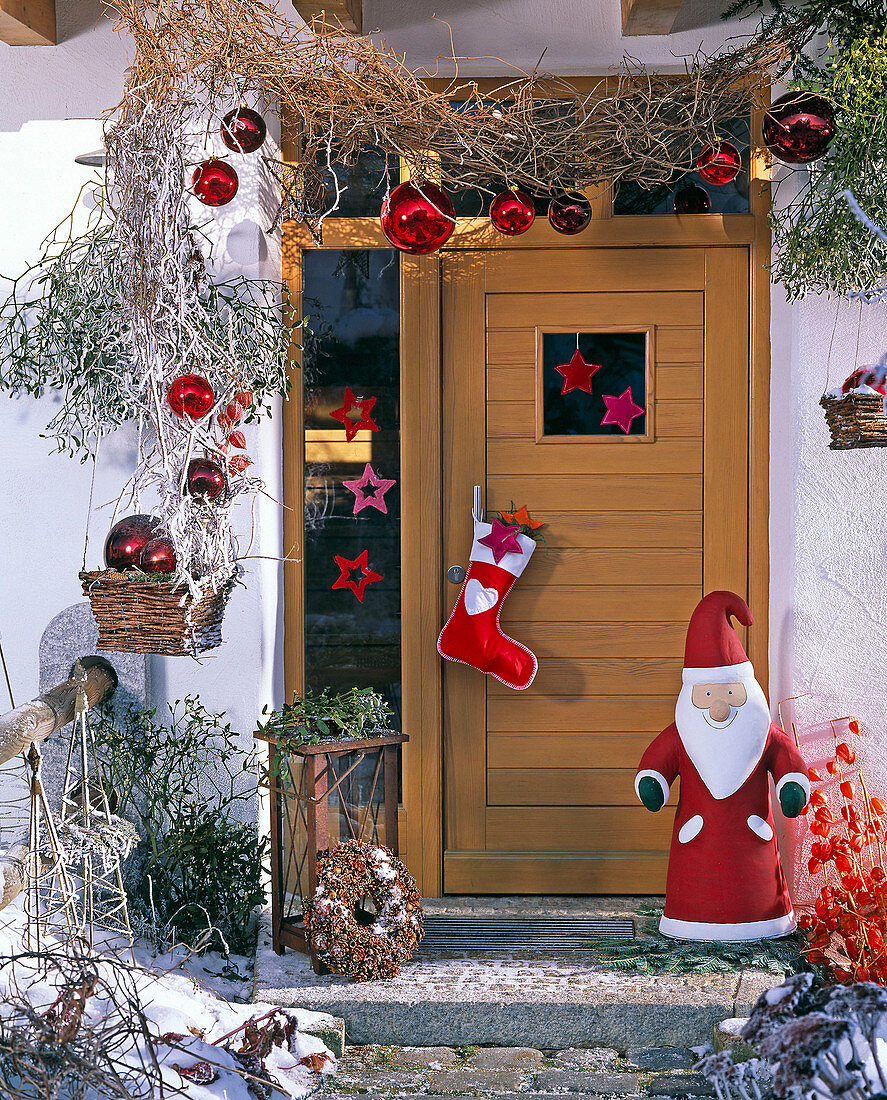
729	198
351	300
622	361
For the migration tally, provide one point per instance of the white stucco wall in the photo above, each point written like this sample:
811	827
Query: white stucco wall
50	101
828	615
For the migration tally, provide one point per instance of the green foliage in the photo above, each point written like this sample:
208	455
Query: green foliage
65	328
179	782
659	954
819	245
316	716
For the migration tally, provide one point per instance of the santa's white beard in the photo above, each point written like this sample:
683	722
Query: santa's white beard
724	753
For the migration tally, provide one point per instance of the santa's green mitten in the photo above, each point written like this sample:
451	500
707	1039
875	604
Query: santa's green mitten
792	799
651	793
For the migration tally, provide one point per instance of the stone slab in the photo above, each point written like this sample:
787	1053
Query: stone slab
597	1084
425	1057
659	1059
595	1058
505	1058
71	634
676	1086
475	1080
378	1079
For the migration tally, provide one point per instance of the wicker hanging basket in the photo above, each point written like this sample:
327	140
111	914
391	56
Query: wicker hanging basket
139	614
855	420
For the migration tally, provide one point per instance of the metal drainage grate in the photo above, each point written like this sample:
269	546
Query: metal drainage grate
455	933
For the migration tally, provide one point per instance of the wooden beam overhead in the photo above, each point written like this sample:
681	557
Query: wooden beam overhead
27	22
347	12
649	16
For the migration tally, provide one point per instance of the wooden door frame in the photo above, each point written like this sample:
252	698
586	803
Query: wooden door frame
423	582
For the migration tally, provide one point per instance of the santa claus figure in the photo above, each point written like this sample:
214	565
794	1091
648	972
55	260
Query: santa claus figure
725	879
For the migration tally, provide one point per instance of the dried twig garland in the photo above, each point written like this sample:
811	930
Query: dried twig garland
347	95
195	59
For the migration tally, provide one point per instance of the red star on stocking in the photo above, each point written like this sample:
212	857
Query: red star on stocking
352	426
577	374
347	571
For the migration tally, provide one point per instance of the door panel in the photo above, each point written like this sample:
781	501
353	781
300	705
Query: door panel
539	784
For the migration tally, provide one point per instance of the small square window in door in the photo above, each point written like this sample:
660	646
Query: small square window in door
594	384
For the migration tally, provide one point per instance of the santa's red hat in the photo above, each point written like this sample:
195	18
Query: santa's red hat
713	653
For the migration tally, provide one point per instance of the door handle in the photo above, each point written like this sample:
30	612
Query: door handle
456	574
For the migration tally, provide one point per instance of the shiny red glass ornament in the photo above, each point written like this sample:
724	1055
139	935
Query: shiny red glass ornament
569	213
692	200
190	395
159	556
214	182
799	127
418	221
205	478
127	539
512	213
243	130
719	164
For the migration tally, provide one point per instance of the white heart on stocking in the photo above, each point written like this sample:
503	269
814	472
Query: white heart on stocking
478	598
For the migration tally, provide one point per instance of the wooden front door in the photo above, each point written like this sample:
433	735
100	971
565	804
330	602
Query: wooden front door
538	784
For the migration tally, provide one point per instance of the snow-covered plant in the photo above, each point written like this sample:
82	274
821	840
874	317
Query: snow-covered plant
847	928
813	1044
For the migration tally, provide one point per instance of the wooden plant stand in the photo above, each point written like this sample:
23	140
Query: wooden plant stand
305	819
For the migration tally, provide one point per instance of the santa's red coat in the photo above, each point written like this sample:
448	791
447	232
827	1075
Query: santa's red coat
728	872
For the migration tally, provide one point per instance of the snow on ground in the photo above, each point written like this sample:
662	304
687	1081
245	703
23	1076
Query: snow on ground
184	1001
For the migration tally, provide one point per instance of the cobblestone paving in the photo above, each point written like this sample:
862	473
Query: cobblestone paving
391	1073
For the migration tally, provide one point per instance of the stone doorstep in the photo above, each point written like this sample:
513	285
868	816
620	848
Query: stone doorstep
498	999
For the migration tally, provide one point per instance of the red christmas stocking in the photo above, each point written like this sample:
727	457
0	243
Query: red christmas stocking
472	635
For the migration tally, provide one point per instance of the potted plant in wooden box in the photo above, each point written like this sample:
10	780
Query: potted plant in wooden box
332	774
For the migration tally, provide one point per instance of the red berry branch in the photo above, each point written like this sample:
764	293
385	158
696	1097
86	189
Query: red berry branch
847	927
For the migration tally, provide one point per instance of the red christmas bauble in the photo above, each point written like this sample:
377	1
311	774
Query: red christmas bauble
418	221
569	213
512	213
874	377
692	200
127	539
159	556
205	478
719	164
799	127
190	395
214	182
243	130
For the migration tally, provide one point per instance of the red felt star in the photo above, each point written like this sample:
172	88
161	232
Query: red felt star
621	410
502	540
346	578
364	496
352	426
522	517
577	374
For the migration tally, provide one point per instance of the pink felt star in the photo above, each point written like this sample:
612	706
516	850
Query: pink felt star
621	410
347	569
376	497
352	426
502	540
577	374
